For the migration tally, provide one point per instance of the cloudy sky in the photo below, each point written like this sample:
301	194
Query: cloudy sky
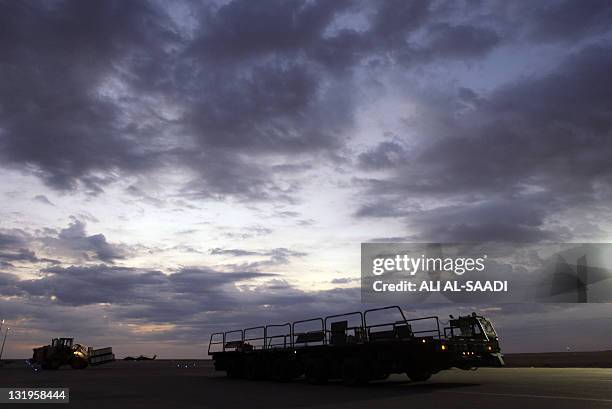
167	170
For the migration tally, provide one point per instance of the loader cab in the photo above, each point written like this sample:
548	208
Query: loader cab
472	327
62	343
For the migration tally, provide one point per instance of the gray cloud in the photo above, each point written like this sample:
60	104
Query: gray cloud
569	20
523	154
53	117
344	280
43	199
233	252
15	247
243	100
386	154
274	257
84	285
251	80
69	244
150	296
73	241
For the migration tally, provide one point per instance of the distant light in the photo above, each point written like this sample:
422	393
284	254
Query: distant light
53	298
443	347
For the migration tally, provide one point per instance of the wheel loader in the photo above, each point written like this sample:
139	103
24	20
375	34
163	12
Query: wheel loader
62	351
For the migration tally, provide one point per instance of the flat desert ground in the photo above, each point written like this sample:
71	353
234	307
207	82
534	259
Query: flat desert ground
194	384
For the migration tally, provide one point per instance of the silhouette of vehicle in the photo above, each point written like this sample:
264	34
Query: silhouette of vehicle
140	358
62	351
356	353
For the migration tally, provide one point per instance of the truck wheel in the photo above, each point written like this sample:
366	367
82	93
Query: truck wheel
354	372
281	370
234	369
255	369
419	376
251	369
316	372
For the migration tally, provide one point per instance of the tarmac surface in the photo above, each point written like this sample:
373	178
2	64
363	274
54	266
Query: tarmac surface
194	384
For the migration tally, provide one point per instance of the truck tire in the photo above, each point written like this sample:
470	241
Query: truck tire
251	369
354	372
282	370
235	369
256	368
316	371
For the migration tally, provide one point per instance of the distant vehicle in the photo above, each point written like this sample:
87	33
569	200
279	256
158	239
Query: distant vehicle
356	353
140	358
62	351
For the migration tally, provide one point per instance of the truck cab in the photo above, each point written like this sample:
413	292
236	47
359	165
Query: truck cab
473	336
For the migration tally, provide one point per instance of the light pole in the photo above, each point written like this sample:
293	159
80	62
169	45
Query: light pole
4	341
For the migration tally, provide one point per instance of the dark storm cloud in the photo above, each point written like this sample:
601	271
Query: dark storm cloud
224	174
384	155
527	151
84	285
74	241
569	20
9	284
194	299
19	255
15	247
380	209
243	28
447	41
252	79
12	239
71	243
54	56
520	220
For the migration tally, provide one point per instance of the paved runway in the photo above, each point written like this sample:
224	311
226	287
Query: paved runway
163	384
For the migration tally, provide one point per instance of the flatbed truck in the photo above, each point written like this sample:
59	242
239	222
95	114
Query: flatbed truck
356	348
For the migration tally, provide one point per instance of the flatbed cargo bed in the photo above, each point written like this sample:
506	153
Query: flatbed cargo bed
352	348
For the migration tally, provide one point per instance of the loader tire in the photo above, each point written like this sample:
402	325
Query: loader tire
419	376
78	363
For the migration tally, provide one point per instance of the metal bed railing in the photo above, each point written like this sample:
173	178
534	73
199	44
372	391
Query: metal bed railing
358	331
274	340
304	338
292	339
255	338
